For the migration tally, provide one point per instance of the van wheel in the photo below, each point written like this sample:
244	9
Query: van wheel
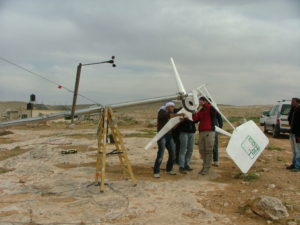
265	129
275	132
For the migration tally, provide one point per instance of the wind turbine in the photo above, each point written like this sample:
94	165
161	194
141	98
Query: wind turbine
247	141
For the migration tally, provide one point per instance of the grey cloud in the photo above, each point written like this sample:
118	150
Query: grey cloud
247	51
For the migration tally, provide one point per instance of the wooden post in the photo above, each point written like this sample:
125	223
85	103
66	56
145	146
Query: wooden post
75	91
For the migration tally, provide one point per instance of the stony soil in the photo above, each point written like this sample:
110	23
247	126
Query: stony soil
39	185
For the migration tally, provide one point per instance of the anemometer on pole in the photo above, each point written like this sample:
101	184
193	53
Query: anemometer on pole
80	65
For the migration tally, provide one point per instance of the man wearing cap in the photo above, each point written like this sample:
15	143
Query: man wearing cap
164	114
207	118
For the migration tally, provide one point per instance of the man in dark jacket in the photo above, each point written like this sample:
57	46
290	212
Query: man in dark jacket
186	136
293	105
294	121
164	114
175	135
290	116
219	123
207	118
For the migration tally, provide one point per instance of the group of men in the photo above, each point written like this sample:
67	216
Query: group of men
180	141
294	122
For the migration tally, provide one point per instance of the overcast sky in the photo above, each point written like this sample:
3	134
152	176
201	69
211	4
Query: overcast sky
248	52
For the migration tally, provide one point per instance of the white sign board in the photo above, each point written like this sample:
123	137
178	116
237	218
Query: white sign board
246	144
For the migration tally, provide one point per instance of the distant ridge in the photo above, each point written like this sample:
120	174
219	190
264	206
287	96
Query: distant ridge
19	105
12	105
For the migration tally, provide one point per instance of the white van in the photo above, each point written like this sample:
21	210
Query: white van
263	117
277	120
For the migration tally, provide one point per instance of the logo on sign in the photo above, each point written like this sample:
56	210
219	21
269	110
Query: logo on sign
250	147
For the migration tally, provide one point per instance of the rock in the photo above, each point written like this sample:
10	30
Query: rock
272	186
292	223
226	220
265	169
269	207
254	191
289	207
297	208
245	183
151	123
22	181
248	211
71	126
290	188
5	132
226	204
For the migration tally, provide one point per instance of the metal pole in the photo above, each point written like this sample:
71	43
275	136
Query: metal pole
77	83
75	91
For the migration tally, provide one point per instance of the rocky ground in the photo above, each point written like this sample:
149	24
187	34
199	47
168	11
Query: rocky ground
39	185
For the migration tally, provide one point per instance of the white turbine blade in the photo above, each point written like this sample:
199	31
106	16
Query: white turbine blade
169	125
221	131
180	87
246	144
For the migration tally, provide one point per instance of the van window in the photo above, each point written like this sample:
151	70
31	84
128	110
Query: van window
285	109
274	110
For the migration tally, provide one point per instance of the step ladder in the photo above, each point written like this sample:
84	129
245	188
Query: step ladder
107	120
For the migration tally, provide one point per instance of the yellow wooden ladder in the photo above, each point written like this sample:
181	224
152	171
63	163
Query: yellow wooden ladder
107	120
